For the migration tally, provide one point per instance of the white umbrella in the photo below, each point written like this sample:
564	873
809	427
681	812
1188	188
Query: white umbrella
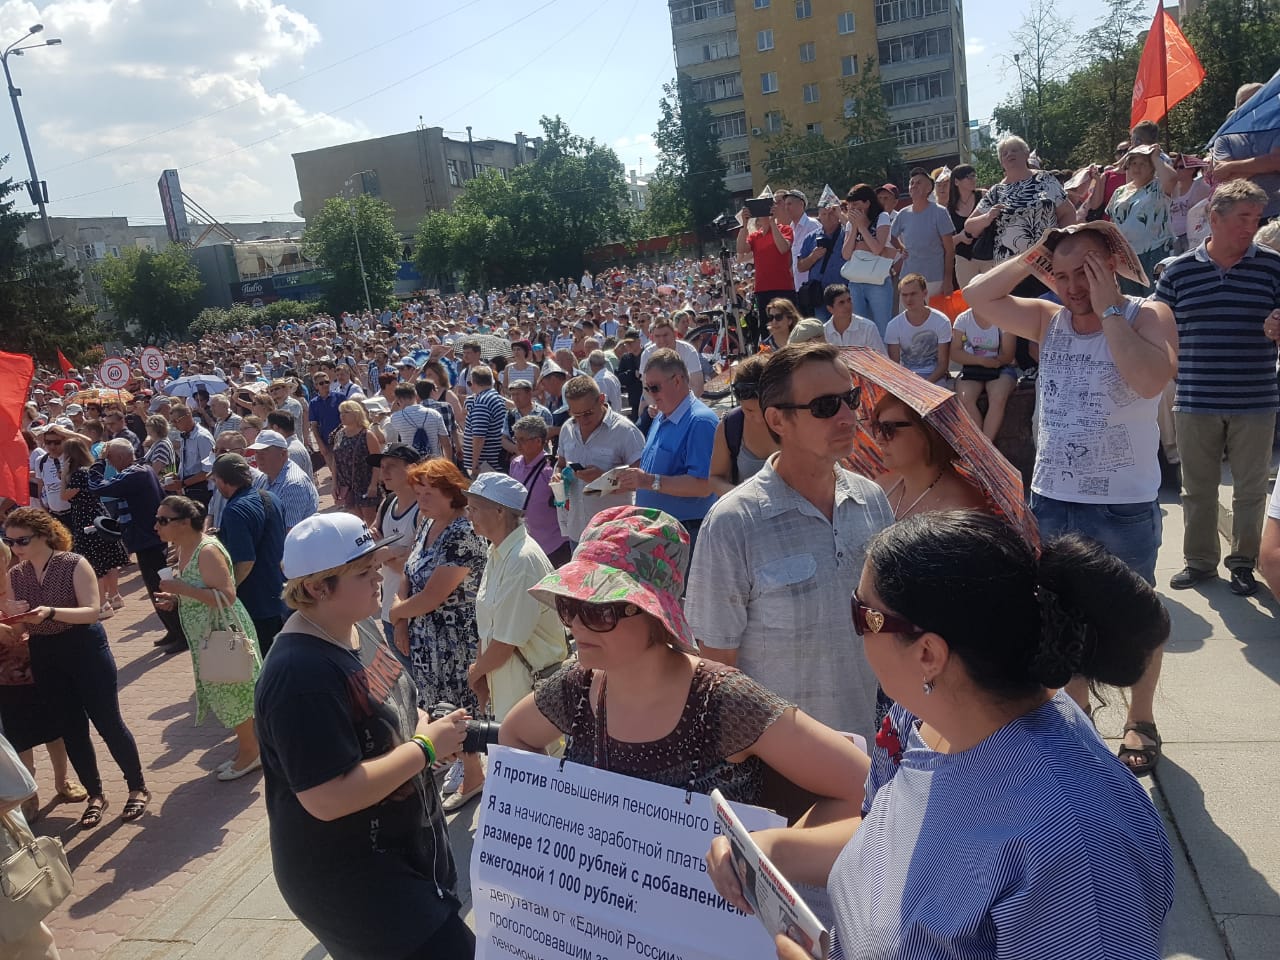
189	386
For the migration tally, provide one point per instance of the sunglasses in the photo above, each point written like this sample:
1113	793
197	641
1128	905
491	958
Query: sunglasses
24	542
826	407
653	388
777	316
867	620
888	429
596	617
164	521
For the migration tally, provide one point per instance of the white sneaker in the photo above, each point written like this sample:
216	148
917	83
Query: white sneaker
452	779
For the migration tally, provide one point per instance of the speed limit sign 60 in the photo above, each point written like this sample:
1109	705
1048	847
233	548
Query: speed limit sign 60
114	373
152	361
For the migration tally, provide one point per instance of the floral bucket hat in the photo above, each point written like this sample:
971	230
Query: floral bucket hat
629	555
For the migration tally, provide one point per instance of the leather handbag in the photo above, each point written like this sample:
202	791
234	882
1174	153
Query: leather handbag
866	267
225	653
33	882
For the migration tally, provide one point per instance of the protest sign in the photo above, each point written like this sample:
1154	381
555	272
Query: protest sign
578	862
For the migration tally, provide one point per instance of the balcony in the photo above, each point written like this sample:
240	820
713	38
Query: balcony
691	19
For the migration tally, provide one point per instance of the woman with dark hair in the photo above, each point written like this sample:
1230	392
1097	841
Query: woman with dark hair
869	227
742	443
57	593
996	822
920	465
521	367
781	317
203	581
962	199
105	554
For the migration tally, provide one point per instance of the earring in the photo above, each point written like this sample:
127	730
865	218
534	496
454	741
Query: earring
928	688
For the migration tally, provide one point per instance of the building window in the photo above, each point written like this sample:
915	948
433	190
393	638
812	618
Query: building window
738	162
808	52
850	107
762	4
764	40
729	126
893	11
932	86
915	46
924	130
769	82
811	94
689	11
804	9
845	22
849	65
724	87
773	121
455	179
813	129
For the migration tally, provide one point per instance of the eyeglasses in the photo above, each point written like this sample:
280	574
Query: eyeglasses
26	542
826	407
888	429
655	388
867	620
322	383
596	617
777	316
164	521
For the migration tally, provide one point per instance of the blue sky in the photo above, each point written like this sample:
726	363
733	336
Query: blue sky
226	90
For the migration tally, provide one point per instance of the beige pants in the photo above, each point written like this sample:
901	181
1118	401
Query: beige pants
1246	438
966	270
36	945
1168	428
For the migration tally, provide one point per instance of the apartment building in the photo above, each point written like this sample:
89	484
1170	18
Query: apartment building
759	63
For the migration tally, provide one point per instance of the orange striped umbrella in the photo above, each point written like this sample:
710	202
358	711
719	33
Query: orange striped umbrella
978	460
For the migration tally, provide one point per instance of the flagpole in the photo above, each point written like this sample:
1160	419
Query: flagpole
1164	75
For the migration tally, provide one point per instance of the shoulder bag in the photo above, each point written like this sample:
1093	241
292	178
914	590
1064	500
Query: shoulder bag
225	654
33	882
866	267
809	296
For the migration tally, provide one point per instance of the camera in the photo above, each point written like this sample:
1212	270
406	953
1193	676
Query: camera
480	733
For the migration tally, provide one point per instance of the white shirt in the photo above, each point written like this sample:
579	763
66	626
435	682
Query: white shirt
860	333
799	231
919	344
687	353
405	525
403	424
610	386
51	474
615	442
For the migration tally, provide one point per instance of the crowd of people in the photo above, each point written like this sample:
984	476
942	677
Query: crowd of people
539	502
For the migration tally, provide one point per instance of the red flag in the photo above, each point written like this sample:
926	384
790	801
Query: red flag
66	365
16	370
1168	72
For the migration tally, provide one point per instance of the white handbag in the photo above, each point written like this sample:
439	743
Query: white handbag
33	881
226	655
866	267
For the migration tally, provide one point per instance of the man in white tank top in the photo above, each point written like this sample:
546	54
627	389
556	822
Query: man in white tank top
1104	362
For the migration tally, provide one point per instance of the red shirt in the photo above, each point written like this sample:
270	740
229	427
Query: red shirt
773	268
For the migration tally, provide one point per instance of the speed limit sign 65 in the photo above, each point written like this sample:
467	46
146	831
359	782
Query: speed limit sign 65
152	361
114	373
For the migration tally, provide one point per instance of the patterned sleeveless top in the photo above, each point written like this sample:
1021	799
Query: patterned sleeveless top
57	590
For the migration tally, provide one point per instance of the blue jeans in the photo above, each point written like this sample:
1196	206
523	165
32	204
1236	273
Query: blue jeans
874	302
389	631
1131	531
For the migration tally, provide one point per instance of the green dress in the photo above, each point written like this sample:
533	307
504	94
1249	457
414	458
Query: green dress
232	703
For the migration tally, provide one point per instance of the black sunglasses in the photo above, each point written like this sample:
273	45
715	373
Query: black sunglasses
164	521
657	387
596	617
826	407
868	620
17	541
888	429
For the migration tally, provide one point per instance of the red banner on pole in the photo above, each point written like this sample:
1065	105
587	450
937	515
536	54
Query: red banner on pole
16	370
66	365
1168	72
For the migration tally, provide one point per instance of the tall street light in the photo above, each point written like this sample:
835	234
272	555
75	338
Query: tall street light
16	49
348	185
1022	87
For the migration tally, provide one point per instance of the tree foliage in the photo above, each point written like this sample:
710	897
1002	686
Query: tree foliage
241	316
39	311
154	294
331	239
468	245
686	191
863	151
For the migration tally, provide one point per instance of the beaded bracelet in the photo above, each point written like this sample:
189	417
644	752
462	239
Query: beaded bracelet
427	746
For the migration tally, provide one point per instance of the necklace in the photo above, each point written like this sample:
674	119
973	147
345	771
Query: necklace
916	501
325	634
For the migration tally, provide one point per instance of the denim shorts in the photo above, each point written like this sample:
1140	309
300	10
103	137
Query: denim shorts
1131	531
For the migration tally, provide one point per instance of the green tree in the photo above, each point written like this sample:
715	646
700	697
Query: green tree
865	150
686	191
331	240
466	244
155	295
39	311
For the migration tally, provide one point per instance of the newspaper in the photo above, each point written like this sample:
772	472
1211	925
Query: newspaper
774	900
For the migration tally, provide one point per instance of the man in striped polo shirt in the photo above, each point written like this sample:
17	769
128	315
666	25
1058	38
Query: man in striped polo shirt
482	432
1221	294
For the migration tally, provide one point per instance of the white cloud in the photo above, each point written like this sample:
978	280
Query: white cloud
975	47
134	69
636	151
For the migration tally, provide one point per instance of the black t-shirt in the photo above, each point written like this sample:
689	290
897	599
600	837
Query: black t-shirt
377	883
629	377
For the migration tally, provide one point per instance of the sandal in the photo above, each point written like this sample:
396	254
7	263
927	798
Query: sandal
135	807
72	792
92	815
1148	757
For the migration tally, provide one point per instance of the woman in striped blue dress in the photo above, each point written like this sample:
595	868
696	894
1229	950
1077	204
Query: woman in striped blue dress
996	823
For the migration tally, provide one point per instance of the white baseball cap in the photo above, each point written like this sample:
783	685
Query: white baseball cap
327	540
499	488
268	438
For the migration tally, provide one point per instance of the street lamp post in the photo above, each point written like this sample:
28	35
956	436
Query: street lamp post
14	93
1022	89
355	231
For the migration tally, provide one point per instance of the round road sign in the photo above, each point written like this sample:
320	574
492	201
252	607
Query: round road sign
114	373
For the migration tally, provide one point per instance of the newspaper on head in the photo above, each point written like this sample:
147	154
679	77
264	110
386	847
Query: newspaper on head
774	900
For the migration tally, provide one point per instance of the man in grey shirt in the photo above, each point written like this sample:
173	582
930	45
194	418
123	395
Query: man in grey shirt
925	231
779	556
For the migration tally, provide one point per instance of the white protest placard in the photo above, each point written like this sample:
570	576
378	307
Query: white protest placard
152	362
570	861
114	373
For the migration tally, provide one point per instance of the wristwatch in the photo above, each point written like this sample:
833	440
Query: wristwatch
1115	310
656	486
